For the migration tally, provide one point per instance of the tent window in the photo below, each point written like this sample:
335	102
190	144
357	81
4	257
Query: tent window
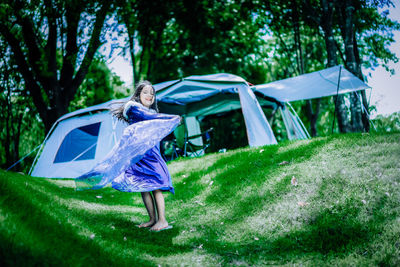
79	144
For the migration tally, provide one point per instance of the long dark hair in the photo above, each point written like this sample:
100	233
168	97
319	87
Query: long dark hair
118	111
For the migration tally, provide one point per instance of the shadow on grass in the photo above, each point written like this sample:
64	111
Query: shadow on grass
249	169
49	234
330	233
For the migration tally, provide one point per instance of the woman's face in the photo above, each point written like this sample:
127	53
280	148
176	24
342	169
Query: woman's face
147	96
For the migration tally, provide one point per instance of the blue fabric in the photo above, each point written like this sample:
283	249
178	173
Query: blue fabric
81	140
135	163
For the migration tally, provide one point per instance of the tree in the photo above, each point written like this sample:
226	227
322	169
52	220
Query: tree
178	38
372	36
321	14
20	131
346	10
38	32
100	85
11	114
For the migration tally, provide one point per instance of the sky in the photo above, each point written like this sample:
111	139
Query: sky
384	92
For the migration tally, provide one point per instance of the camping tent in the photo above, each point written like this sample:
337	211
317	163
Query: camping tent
80	139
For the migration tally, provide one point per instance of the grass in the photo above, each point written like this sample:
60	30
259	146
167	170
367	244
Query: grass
235	208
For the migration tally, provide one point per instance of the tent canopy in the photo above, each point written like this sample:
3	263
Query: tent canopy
203	95
312	85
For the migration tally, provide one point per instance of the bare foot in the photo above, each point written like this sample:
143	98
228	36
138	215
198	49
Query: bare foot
159	226
146	224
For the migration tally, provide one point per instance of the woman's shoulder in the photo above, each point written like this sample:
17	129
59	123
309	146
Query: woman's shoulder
128	105
131	104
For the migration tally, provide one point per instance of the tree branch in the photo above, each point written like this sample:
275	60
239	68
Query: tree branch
23	67
35	54
91	50
69	59
51	46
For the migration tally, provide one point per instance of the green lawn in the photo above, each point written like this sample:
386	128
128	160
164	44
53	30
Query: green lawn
325	201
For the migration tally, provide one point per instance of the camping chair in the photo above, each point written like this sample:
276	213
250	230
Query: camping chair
170	150
191	149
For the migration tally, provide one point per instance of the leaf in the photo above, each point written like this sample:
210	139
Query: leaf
302	203
200	203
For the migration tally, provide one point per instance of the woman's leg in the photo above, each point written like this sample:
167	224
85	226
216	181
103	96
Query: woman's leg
149	204
160	204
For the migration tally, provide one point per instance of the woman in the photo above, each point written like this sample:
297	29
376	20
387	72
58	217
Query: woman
135	164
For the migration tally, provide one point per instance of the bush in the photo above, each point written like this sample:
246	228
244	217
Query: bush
387	123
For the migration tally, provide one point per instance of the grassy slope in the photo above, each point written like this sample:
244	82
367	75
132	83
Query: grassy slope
229	209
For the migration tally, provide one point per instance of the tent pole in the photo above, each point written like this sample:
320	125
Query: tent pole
23	158
42	145
301	123
337	96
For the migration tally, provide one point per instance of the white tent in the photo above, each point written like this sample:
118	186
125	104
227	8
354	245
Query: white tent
78	140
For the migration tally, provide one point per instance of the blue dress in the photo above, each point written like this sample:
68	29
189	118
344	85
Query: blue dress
135	163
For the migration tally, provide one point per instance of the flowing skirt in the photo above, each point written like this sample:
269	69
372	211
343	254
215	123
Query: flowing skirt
148	174
137	139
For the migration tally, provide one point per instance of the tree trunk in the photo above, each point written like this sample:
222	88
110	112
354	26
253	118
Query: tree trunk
7	144
326	23
365	110
313	115
347	31
135	75
16	138
131	28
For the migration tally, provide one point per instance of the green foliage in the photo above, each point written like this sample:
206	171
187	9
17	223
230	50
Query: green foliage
21	129
375	35
193	37
386	124
100	85
327	201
